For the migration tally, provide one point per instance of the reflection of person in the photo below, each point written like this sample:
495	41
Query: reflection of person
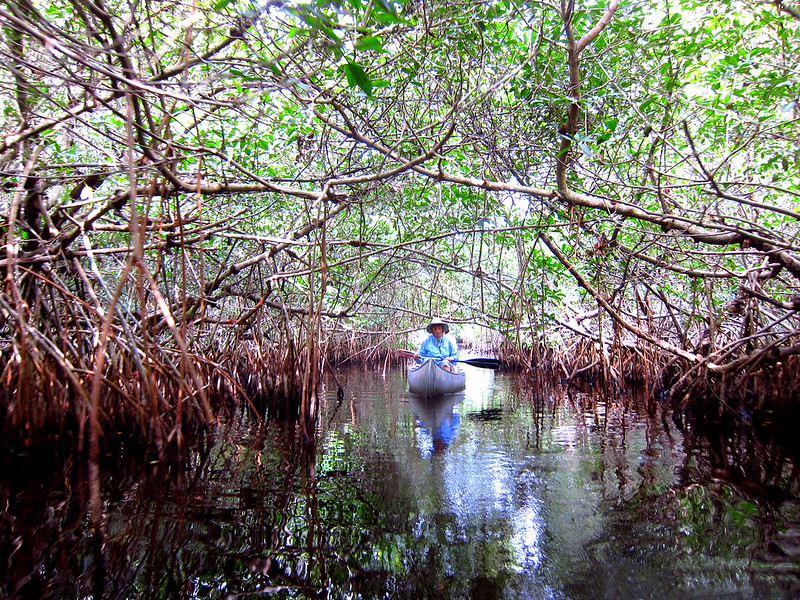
437	420
438	345
444	431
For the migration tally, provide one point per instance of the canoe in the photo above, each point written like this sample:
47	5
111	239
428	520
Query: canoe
429	379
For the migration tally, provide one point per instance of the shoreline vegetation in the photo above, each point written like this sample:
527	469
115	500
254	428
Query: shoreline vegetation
48	398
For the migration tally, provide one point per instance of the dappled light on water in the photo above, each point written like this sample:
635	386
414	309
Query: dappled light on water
512	489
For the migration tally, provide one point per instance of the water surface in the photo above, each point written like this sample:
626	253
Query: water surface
510	490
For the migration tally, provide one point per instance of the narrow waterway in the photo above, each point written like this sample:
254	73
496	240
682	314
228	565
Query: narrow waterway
511	490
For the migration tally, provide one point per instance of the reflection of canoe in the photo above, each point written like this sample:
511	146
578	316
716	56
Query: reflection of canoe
429	379
433	412
438	418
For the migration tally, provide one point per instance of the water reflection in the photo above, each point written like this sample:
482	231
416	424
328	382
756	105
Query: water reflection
477	489
510	490
438	421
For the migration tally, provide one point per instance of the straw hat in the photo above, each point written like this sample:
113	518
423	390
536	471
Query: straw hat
437	321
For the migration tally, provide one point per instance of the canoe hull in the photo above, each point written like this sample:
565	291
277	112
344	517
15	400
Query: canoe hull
429	379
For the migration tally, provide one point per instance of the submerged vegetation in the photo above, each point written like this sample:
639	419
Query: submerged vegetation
212	200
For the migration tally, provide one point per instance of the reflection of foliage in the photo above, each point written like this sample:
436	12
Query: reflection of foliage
720	523
616	501
734	507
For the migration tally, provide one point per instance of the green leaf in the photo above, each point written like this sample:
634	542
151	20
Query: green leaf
370	42
646	104
357	77
388	14
221	4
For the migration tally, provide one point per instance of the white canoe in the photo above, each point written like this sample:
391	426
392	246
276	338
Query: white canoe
429	379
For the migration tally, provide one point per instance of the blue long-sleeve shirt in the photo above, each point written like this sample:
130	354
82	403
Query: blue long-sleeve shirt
438	349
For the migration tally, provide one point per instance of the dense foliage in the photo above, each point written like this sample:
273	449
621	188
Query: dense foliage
276	180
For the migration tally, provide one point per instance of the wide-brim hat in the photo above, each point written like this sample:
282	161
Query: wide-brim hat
437	321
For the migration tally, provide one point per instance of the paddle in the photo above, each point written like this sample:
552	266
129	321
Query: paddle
481	363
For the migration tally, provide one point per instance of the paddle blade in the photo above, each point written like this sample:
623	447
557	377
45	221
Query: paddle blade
483	363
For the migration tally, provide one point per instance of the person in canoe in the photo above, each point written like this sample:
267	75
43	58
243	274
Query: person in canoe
438	345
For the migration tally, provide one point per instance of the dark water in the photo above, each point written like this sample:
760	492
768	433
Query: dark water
506	491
